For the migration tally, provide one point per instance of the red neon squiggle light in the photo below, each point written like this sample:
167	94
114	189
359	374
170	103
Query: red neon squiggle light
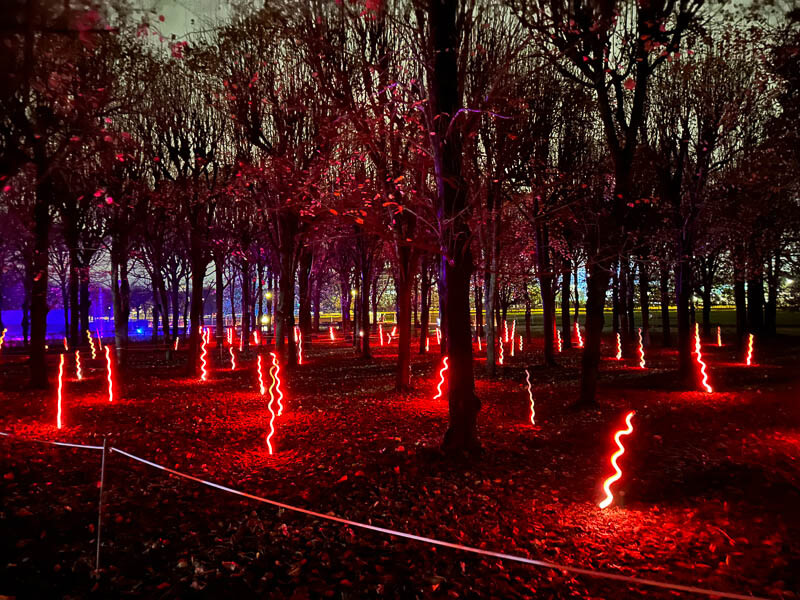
269	405
619	346
255	338
66	345
78	371
558	339
330	330
91	344
229	335
719	336
699	356
277	379
505	331
749	358
444	368
480	346
3	337
513	331
520	343
500	358
427	343
380	332
394	332
618	472
642	363
99	339
233	358
109	374
299	347
241	342
60	384
203	353
530	395
262	390
512	345
578	334
177	339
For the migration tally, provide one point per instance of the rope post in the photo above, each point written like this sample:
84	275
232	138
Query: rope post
100	508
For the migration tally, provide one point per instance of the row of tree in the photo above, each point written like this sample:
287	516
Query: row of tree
465	145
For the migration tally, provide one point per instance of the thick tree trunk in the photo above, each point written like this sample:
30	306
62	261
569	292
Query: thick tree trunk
39	285
453	218
304	292
755	304
490	285
85	299
74	309
598	274
664	289
683	290
615	299
246	302
317	300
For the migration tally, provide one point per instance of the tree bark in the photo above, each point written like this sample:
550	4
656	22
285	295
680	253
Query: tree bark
566	288
664	288
39	284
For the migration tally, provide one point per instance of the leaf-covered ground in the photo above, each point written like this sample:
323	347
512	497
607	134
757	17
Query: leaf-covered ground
709	495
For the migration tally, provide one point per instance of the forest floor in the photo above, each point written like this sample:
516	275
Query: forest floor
709	494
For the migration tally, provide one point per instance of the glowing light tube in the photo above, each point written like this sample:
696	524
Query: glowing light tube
500	358
619	346
480	346
233	358
91	344
642	363
749	358
505	331
719	336
255	337
276	376
520	343
299	347
66	345
427	343
513	330
203	353
269	405
558	339
438	336
2	337
99	339
330	330
262	390
617	471
60	386
380	332
394	331
512	345
109	374
530	395
578	334
444	368
699	357
78	371
177	339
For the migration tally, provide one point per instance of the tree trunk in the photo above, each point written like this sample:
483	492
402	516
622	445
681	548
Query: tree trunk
121	295
478	309
288	228
546	285
246	302
304	292
39	285
219	265
453	217
566	288
644	301
598	274
198	263
425	312
406	279
664	288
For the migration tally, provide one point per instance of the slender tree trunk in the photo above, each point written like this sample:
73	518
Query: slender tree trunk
246	302
664	288
198	263
121	295
528	315
478	309
317	301
615	299
425	294
566	288
644	301
546	285
304	292
219	265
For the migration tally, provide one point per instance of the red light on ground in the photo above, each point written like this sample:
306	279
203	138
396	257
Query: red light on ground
233	358
78	371
203	353
578	334
260	372
276	380
558	340
91	344
299	347
500	358
749	359
619	346
618	472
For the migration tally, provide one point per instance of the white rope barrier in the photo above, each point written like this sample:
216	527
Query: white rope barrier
52	443
435	542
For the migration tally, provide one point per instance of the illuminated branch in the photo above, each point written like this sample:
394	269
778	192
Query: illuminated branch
618	472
